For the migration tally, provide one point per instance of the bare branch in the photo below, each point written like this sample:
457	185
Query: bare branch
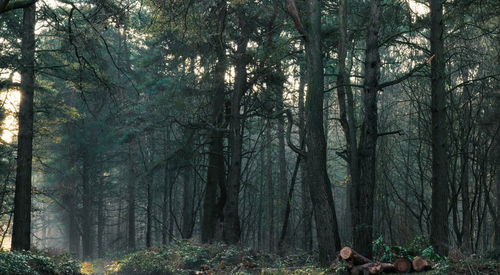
406	76
292	11
399	132
289	117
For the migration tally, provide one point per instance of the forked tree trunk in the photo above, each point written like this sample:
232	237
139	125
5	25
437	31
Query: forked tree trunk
315	159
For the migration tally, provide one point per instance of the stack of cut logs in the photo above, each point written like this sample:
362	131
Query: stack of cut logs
358	264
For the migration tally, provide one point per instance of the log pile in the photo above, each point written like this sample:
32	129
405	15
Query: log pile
357	264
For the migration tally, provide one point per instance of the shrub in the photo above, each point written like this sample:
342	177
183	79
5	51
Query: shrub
28	263
14	264
145	263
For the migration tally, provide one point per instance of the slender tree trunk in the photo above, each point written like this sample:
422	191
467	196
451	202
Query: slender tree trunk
167	185
87	236
21	229
306	201
439	135
497	183
317	176
364	190
131	202
496	163
465	167
73	230
346	108
270	186
100	224
231	223
278	86
187	199
286	219
149	211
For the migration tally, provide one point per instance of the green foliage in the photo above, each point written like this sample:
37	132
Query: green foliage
27	263
14	264
417	247
387	253
431	254
146	262
184	256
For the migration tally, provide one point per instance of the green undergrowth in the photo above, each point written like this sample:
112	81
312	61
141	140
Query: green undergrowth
185	257
37	263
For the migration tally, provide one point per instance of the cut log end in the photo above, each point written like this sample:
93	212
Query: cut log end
346	253
402	265
420	264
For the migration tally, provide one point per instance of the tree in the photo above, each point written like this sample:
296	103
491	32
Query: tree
315	156
21	230
215	194
439	219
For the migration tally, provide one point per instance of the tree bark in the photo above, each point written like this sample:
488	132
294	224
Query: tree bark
231	223
131	202
100	224
212	204
270	186
21	229
317	176
188	189
346	108
364	191
306	201
149	211
87	225
439	135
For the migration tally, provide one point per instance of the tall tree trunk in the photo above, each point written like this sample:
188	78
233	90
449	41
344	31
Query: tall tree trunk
306	200
439	135
270	186
131	202
164	207
87	225
231	223
216	174
100	224
149	211
317	176
21	229
466	130
346	108
188	194
278	87
364	190
496	163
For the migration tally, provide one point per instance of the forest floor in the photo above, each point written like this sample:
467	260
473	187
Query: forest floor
190	258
